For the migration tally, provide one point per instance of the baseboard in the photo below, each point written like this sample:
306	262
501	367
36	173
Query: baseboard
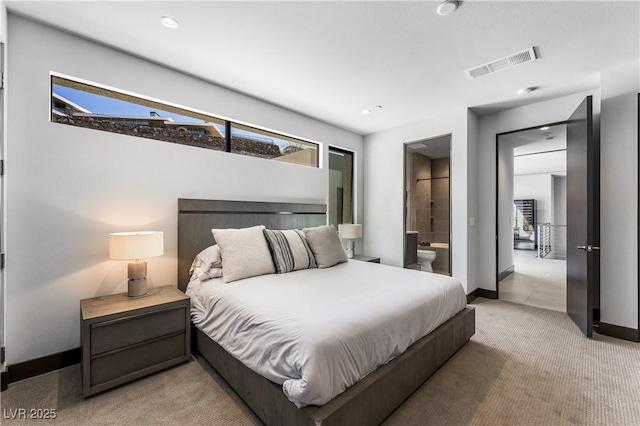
4	378
487	294
35	367
481	292
619	332
504	274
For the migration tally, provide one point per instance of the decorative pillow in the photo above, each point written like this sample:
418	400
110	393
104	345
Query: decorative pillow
289	250
204	261
326	245
244	253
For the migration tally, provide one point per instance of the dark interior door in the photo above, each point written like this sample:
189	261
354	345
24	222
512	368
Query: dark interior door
583	172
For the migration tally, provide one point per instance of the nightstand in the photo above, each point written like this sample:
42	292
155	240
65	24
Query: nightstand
125	338
366	258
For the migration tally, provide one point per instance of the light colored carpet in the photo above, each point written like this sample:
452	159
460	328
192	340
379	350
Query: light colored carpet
524	366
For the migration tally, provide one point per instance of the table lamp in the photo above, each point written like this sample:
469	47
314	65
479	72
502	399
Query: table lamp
136	246
350	232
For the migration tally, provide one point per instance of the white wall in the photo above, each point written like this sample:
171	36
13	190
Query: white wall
68	187
619	196
559	200
384	197
472	201
533	115
559	216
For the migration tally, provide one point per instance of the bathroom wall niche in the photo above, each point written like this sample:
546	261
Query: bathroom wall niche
428	205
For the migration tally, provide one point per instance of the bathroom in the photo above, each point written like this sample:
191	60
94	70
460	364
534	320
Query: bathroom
427	205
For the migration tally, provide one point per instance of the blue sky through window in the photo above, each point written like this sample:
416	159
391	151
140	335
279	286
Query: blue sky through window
99	104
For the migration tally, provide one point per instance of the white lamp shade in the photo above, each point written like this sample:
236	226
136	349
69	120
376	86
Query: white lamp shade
135	245
350	231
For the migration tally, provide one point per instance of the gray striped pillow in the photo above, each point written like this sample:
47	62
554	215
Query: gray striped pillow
289	250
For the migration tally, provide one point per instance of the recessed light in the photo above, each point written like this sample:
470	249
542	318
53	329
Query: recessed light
525	91
447	7
544	128
378	107
366	111
169	22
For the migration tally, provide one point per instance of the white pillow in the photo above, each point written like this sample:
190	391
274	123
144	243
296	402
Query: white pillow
244	253
326	245
204	261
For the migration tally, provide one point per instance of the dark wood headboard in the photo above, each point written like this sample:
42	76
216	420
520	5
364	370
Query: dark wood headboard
196	218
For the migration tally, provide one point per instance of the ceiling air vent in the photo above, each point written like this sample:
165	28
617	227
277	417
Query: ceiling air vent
507	62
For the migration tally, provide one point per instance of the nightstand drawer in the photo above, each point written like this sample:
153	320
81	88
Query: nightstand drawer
138	358
110	335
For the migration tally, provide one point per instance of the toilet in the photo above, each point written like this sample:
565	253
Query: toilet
425	257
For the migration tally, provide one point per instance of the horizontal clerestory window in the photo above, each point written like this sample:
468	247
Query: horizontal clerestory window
84	105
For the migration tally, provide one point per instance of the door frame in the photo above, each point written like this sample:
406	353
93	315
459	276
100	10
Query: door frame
497	152
354	211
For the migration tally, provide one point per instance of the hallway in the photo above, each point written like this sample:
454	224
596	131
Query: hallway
536	282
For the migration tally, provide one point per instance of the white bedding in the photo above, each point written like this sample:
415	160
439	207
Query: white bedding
318	331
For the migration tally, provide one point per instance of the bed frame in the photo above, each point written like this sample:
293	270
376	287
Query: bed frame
368	402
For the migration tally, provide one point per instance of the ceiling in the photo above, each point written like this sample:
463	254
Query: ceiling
435	148
538	151
332	59
546	138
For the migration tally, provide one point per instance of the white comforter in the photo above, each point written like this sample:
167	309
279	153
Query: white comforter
319	331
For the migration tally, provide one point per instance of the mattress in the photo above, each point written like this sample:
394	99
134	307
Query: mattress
318	331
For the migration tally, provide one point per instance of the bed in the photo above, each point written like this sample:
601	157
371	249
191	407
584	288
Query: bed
367	402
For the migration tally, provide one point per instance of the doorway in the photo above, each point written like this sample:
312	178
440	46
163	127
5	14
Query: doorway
532	216
427	205
583	213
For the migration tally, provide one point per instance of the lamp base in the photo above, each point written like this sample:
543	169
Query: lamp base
137	285
350	245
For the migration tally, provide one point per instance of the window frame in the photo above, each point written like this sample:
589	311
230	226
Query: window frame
344	151
207	118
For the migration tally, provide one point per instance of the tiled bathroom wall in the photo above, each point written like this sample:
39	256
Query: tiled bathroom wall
422	196
429	207
440	200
